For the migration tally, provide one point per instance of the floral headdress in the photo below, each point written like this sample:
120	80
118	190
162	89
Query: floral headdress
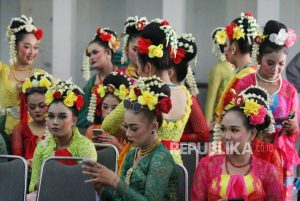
138	25
185	47
253	110
37	80
105	35
146	46
219	38
237	31
101	90
153	101
27	25
67	92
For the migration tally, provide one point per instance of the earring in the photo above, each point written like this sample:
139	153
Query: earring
153	132
232	52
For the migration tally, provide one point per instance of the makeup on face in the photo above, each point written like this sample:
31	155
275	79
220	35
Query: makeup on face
28	50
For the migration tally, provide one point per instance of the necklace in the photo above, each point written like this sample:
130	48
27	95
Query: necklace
15	76
265	80
248	171
22	68
239	166
150	148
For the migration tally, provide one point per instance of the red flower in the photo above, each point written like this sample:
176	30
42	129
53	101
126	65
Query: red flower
165	23
229	30
79	102
140	25
157	111
180	54
98	100
248	14
143	45
165	105
105	36
98	30
137	91
38	34
57	95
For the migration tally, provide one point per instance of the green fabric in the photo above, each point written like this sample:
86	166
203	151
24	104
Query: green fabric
154	178
3	150
117	60
82	116
218	79
80	146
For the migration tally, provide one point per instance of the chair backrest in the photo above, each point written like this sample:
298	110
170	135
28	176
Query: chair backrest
108	156
190	158
182	187
64	182
13	178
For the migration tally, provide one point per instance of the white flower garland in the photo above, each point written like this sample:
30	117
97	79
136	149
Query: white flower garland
124	55
191	81
171	37
92	108
216	145
86	67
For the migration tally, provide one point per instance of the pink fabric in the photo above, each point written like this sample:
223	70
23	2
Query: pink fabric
210	169
236	187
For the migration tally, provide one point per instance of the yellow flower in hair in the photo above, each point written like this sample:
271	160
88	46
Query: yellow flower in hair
70	98
44	82
221	37
155	51
238	33
132	95
101	91
121	92
148	99
27	84
251	107
49	97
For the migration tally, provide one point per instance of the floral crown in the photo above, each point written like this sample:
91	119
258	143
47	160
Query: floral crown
100	91
283	37
11	34
67	92
138	24
253	110
219	38
37	80
145	45
142	94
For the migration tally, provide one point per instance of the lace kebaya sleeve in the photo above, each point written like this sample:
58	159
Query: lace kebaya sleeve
17	140
197	124
36	166
159	174
114	120
199	187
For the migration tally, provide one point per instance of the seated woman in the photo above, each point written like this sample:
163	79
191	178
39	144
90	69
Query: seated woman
149	169
62	139
26	135
238	173
105	97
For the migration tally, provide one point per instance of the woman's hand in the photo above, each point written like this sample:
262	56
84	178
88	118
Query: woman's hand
290	125
106	138
101	176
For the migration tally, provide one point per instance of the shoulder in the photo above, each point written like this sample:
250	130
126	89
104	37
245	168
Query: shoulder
288	87
263	166
39	70
3	67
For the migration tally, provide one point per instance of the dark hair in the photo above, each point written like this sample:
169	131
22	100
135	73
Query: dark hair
243	44
131	29
157	36
182	68
103	43
222	47
152	115
246	120
267	46
40	90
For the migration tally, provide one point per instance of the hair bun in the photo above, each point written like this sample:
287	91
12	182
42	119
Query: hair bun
134	25
187	42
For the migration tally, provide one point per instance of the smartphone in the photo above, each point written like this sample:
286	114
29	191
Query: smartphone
97	132
291	115
280	120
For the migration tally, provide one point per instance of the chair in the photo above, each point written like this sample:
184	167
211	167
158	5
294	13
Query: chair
190	158
64	182
108	156
13	178
182	188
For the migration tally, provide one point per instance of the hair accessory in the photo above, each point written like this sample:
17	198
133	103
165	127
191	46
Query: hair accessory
86	66
138	24
284	37
141	94
105	36
219	38
37	80
100	91
11	34
67	92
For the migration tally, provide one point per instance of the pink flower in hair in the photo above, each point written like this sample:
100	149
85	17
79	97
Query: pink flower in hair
260	117
292	37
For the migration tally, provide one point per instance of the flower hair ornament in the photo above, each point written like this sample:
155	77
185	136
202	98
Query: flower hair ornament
104	35
236	31
283	37
146	46
37	80
67	92
137	25
141	96
100	91
185	47
219	38
27	25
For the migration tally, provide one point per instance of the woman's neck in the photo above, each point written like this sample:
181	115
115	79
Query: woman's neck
38	124
242	61
148	144
239	159
164	76
19	65
104	72
63	141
